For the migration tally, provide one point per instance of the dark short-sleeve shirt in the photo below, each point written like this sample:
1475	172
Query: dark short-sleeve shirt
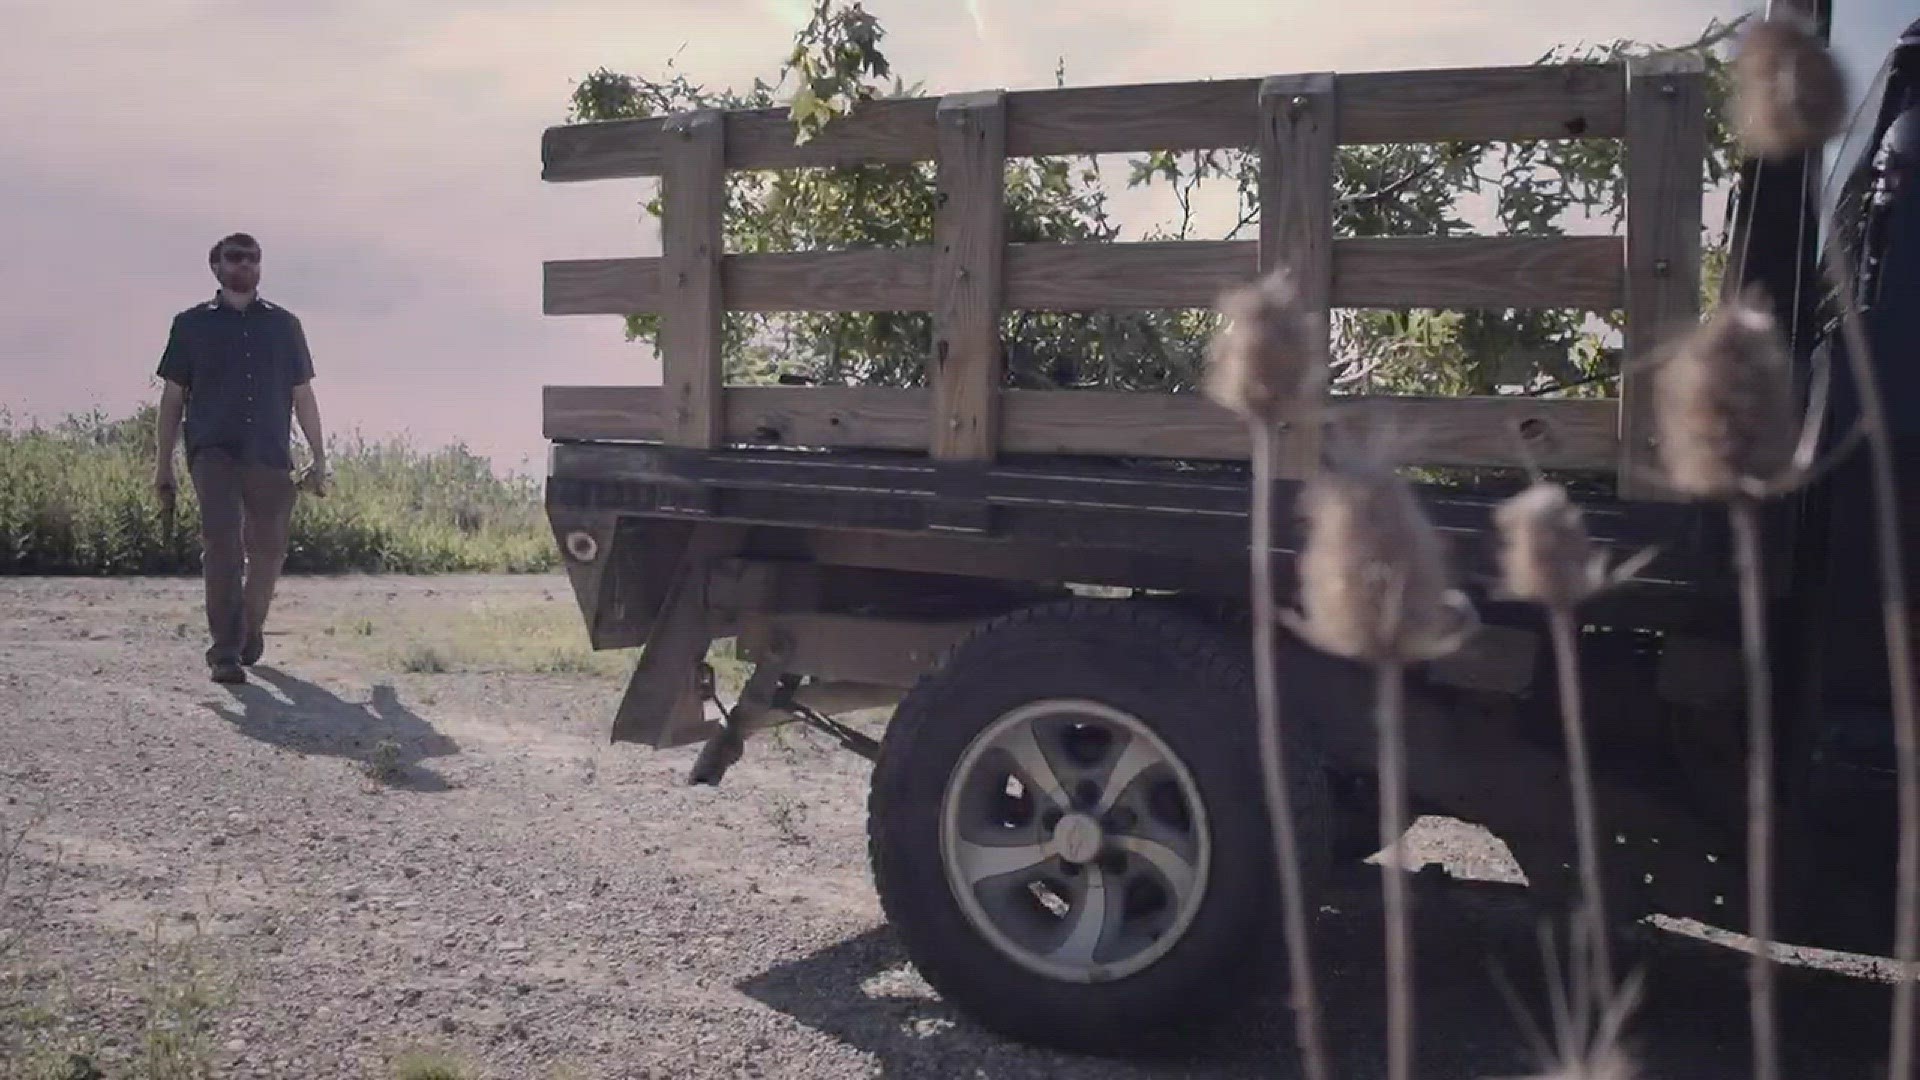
239	368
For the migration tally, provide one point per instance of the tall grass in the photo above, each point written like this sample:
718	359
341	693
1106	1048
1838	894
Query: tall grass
77	498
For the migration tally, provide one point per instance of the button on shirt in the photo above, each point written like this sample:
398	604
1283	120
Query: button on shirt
239	368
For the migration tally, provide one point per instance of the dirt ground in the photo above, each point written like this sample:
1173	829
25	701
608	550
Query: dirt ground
514	891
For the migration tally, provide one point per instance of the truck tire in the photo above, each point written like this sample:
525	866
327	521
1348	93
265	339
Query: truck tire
1067	829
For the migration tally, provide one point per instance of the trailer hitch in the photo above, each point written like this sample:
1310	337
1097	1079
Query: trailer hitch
771	698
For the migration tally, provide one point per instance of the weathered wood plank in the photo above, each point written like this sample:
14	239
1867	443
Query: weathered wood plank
878	133
1470	271
824	417
1488	431
871	279
1097	276
868	279
612	413
893	132
1387	272
1127	119
1471	431
1666	152
604	150
1485	272
875	417
1500	104
694	198
1298	140
969	260
1047	277
604	287
1504	103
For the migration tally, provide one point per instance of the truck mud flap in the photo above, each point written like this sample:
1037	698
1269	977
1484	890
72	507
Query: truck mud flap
664	703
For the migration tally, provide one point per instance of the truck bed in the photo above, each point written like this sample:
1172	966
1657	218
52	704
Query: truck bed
1134	525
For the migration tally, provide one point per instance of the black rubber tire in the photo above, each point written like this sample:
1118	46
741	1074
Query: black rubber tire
1190	683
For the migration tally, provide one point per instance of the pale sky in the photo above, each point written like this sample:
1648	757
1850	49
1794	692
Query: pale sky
387	156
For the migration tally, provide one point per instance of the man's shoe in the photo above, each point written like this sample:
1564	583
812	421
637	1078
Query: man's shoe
255	648
229	672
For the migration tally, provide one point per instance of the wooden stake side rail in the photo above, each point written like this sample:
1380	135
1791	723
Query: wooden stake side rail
1491	104
968	277
1466	431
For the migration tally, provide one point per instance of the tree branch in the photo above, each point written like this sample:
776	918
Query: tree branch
1421	173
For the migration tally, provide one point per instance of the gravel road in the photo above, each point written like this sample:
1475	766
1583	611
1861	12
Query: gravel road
543	904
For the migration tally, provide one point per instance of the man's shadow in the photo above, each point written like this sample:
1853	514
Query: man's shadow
388	738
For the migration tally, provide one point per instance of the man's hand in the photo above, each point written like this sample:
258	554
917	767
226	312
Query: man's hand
164	485
314	481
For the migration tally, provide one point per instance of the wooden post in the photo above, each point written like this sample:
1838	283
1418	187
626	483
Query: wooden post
1666	145
693	189
970	247
1297	142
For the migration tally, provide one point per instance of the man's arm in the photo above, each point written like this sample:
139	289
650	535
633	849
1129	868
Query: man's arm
173	399
176	374
306	410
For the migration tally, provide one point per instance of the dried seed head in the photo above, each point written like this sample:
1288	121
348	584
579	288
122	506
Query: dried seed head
1373	577
1270	354
1724	403
1545	553
1790	95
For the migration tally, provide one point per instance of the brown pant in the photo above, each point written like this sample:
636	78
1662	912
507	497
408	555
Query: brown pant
244	511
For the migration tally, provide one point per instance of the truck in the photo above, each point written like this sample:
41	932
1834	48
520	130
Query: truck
1046	588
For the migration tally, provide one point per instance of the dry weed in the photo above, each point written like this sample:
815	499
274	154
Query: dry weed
1548	558
1266	365
1790	95
1589	1017
1724	411
1374	587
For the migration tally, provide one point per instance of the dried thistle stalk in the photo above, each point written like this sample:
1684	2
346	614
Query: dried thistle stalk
1589	1019
1547	557
1265	364
1373	577
1744	515
1268	361
1790	95
1725	404
1374	587
1724	412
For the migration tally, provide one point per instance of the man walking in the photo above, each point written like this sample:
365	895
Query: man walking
237	368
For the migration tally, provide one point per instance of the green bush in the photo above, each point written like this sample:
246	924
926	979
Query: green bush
77	498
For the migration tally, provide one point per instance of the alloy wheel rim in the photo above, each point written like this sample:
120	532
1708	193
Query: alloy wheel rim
1075	841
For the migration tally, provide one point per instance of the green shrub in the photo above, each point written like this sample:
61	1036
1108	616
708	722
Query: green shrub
77	498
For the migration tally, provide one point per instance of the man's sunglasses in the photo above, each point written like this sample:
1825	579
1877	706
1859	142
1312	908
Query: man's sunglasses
237	257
